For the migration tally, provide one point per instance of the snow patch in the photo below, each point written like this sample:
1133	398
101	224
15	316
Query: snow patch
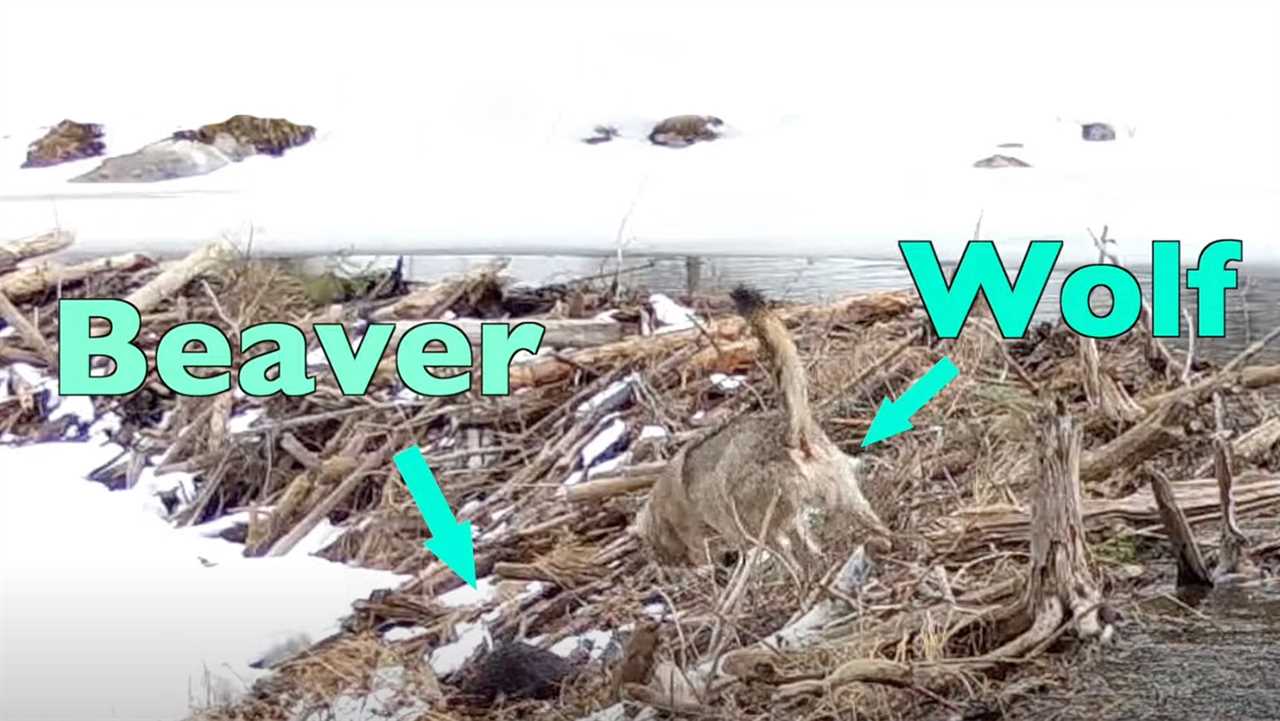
102	596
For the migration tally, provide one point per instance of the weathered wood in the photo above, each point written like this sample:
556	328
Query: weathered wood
29	333
30	281
1191	567
1143	440
1252	446
321	510
1102	390
1060	585
1233	545
174	278
627	480
13	252
1198	499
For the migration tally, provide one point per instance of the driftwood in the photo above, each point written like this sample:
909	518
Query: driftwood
1191	567
1154	433
175	277
633	478
14	252
30	281
1198	499
1252	446
1102	390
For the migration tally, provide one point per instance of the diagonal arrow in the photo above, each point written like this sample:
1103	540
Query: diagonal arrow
450	540
894	417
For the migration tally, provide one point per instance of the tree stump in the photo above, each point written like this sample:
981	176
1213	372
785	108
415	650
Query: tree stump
1060	587
1192	571
1233	545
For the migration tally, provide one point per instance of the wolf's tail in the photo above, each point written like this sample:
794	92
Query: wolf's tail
784	361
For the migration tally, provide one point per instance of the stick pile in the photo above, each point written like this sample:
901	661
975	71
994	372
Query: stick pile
1037	439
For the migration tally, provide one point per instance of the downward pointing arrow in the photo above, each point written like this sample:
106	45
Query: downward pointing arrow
894	417
450	540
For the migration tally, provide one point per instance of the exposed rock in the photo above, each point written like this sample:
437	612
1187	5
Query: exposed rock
66	141
682	131
1001	161
602	134
516	670
1009	145
1097	131
243	135
163	160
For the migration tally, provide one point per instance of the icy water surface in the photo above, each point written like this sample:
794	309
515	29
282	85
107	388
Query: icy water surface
1219	666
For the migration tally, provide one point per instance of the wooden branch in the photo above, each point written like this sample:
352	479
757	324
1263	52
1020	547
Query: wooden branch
1149	436
322	509
1191	567
174	278
33	337
627	480
14	252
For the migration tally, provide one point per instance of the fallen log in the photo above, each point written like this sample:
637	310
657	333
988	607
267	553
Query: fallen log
1149	436
30	281
175	277
1198	498
13	252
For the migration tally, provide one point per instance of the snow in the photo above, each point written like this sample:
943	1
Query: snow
671	315
616	395
852	125
597	641
727	382
451	656
605	439
111	613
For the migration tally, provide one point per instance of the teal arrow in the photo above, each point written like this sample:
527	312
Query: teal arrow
894	417
450	540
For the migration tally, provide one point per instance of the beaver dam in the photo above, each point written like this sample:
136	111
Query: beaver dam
1053	521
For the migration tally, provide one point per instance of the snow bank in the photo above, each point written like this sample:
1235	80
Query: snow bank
110	613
